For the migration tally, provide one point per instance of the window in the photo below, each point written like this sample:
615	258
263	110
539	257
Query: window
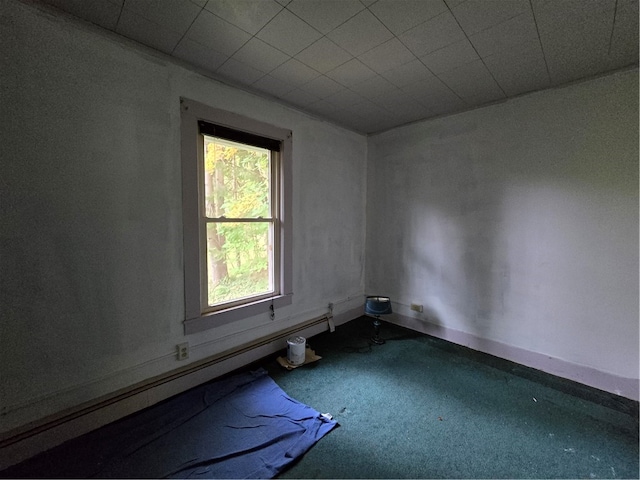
238	207
236	180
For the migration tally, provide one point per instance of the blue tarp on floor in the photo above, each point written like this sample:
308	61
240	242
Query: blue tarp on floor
240	427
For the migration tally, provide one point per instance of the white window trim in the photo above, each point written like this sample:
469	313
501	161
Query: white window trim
190	113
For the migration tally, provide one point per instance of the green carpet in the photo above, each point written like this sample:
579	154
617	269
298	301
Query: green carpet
419	407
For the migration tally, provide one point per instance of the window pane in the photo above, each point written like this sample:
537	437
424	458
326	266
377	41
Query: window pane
239	260
236	180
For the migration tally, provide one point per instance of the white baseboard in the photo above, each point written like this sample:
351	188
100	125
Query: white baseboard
56	429
625	387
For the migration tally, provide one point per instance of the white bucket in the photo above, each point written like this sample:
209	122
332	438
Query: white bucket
295	350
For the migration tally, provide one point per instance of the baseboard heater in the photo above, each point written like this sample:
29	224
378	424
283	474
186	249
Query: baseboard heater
36	428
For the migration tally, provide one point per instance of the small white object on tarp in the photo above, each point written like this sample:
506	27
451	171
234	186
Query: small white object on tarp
295	350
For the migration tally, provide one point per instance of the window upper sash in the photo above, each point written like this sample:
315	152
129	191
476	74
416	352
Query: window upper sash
227	133
239	220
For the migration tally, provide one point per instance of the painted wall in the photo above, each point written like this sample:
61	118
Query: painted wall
91	275
516	226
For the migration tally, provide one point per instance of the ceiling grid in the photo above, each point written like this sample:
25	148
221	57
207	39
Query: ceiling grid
372	65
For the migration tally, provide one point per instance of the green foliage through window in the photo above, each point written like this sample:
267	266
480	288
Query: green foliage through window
237	206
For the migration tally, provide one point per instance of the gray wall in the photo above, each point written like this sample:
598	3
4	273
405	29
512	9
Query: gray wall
90	202
516	226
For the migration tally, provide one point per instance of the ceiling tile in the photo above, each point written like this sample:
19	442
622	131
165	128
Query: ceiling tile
260	55
444	105
288	33
519	72
367	108
401	15
425	91
477	15
294	72
623	49
472	82
432	35
104	14
341	117
389	55
377	124
575	36
575	7
408	73
249	15
350	73
300	97
323	107
322	86
374	87
483	96
344	98
176	16
391	101
138	28
239	72
373	118
273	86
483	49
349	116
325	15
324	55
409	112
199	55
211	31
382	123
451	56
360	34
519	30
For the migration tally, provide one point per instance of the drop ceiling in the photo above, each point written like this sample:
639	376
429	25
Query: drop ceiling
372	65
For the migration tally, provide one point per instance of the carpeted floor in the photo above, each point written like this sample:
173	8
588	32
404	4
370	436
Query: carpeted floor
419	407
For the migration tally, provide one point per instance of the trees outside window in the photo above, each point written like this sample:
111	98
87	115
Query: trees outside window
239	221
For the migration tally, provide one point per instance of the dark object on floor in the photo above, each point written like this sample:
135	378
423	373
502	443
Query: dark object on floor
244	426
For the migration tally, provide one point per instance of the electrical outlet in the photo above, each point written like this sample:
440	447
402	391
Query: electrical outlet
183	351
416	307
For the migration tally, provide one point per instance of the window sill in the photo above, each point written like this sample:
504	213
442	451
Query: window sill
207	321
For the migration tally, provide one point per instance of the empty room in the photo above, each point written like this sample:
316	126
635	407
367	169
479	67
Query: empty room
416	221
